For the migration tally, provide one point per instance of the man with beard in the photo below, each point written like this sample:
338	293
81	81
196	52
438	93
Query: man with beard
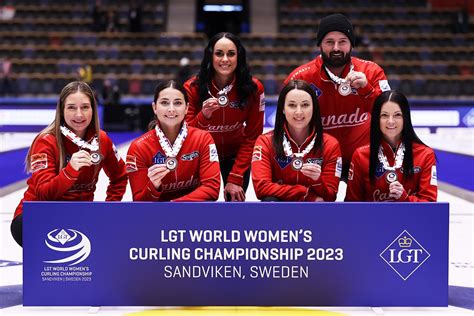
346	86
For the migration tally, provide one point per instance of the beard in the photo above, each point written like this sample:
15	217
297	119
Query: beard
333	60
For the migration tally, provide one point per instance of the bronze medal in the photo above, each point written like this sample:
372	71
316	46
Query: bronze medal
344	89
171	163
222	100
391	177
297	164
95	158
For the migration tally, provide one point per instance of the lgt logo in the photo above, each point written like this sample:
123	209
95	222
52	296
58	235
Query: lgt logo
405	255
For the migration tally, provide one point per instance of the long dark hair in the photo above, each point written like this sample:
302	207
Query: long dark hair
280	119
243	79
162	85
54	127
408	133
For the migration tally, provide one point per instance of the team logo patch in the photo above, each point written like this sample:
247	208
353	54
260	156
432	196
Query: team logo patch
350	176
379	170
159	159
338	171
190	156
39	162
434	176
257	153
262	103
384	86
131	163
283	162
213	156
316	89
316	161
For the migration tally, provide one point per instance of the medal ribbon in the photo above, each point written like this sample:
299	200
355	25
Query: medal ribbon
224	91
172	151
335	78
398	158
289	152
92	146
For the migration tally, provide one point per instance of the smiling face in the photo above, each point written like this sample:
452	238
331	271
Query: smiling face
336	49
298	111
224	58
391	122
78	113
170	108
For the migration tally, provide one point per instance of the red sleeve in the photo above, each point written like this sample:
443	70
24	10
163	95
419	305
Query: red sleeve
194	115
209	173
355	185
49	184
262	175
328	183
253	129
427	187
114	168
137	168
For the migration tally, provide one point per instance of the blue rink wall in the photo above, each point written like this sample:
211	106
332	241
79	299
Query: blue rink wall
33	114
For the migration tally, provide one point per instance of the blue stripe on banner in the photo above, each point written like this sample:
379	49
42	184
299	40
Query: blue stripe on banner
455	169
461	297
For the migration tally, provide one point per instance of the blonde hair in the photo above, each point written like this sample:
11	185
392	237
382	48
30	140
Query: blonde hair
53	128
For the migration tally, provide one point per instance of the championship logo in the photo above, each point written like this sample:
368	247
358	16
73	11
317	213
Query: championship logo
75	245
405	255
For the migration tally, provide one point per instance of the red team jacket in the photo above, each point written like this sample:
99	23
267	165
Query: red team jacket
419	187
48	183
347	118
273	176
196	178
234	130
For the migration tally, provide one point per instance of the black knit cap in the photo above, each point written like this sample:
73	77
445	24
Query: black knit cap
335	22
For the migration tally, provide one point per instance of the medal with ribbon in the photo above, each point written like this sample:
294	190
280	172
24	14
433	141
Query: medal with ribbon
297	158
392	174
93	146
172	151
221	97
344	88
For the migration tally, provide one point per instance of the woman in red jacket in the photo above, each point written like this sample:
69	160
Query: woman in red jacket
66	157
226	101
296	161
173	161
397	166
